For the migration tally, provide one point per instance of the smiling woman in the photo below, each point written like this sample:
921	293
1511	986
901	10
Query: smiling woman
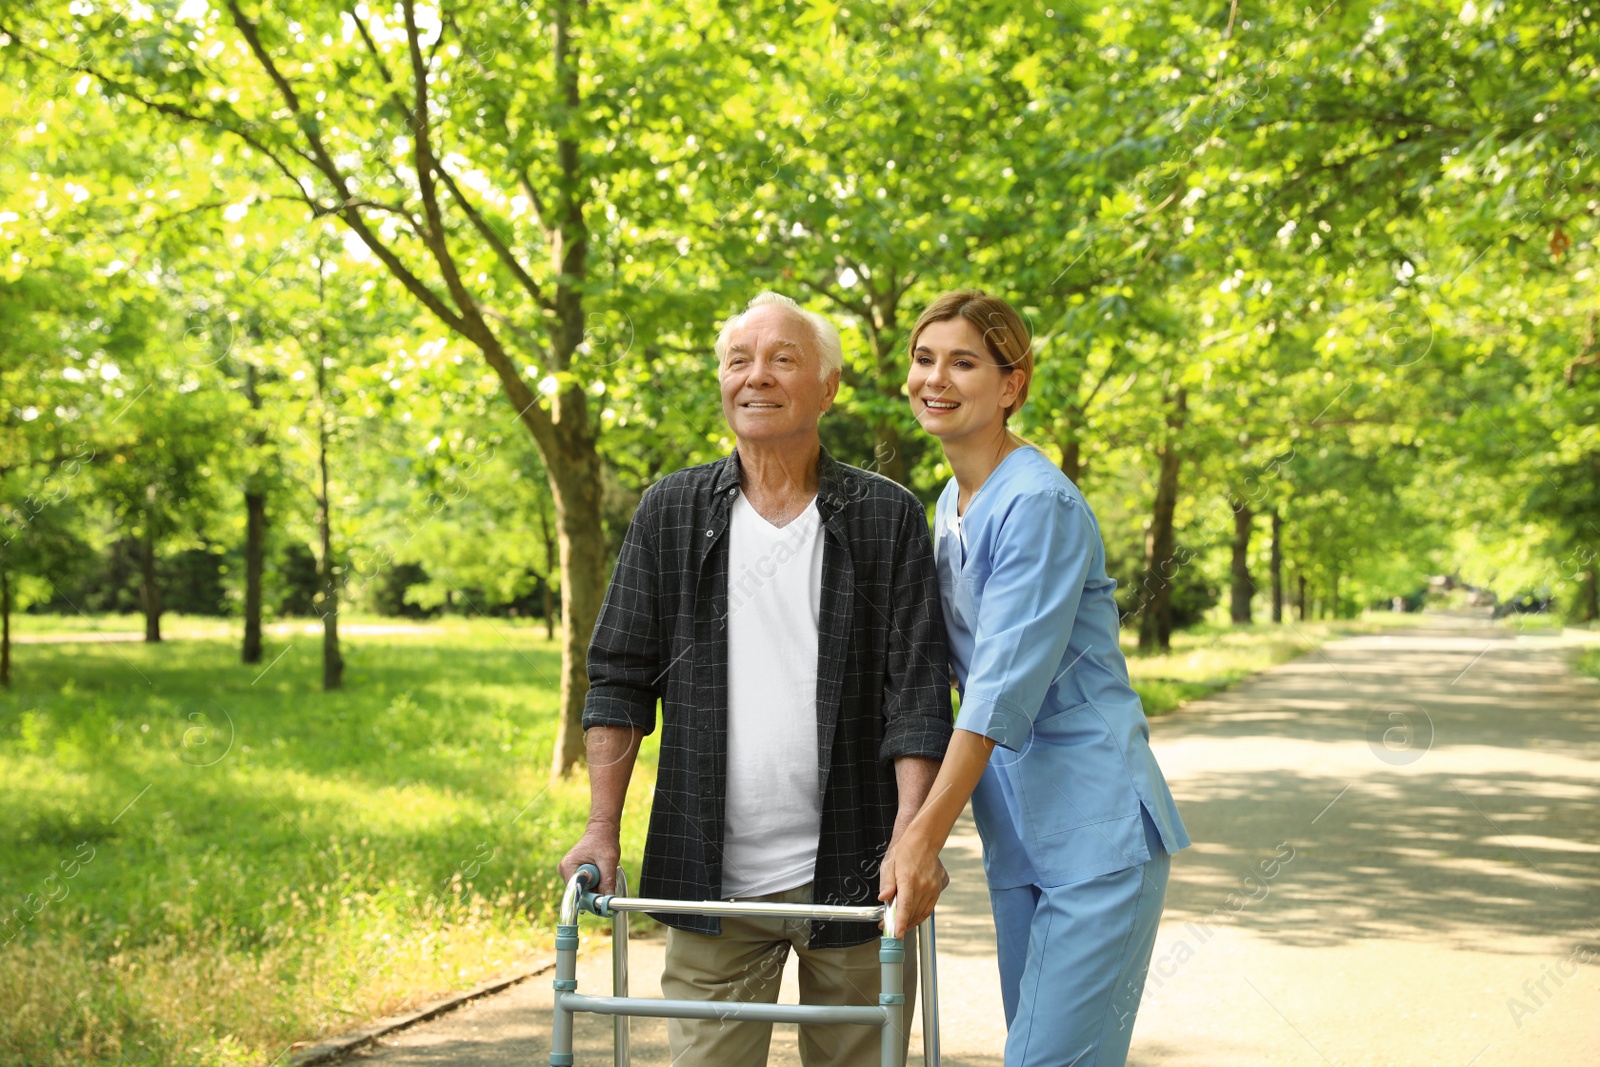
1051	743
959	344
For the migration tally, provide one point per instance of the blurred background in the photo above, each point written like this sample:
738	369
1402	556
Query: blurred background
339	341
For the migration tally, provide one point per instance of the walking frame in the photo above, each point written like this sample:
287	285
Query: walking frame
889	1014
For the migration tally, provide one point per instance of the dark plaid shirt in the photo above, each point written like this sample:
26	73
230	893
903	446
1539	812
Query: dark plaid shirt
883	686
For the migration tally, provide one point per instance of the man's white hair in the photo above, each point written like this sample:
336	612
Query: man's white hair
824	335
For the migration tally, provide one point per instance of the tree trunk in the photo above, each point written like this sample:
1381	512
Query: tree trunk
255	536
5	628
149	590
888	457
1302	598
255	548
888	450
576	483
571	454
332	658
1243	588
1072	460
1334	596
1155	623
1591	595
1277	566
549	572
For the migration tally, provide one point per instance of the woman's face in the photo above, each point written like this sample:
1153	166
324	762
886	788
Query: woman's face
956	387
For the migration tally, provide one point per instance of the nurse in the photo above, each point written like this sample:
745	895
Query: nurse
1051	743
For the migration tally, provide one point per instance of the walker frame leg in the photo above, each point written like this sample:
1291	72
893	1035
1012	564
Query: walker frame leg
619	973
566	980
892	997
928	953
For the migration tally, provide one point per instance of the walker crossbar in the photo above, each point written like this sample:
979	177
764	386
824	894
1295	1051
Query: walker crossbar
889	1014
734	1010
604	906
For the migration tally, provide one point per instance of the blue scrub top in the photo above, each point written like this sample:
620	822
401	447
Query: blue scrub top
1033	642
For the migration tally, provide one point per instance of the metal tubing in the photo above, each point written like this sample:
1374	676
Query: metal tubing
892	996
738	1010
565	981
890	1015
586	877
927	950
757	909
619	973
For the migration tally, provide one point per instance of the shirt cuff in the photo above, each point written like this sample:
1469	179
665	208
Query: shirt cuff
999	722
615	705
926	735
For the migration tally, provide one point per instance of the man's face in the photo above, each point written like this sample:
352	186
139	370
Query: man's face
772	391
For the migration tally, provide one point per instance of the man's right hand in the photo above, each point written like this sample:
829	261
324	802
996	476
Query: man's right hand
600	845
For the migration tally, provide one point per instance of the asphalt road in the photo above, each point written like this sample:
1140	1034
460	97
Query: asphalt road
1397	863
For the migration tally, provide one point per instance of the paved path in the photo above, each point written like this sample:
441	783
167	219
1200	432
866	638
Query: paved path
1398	856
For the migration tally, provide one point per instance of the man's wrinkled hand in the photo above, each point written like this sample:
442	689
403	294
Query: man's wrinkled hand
601	846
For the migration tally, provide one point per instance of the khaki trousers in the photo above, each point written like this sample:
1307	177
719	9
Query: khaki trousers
746	963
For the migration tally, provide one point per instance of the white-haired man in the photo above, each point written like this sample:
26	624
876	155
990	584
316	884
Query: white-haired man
784	611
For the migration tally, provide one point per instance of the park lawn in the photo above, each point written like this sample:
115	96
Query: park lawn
1208	658
255	862
202	862
1589	662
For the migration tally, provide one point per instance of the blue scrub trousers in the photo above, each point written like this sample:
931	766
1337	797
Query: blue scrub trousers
1073	960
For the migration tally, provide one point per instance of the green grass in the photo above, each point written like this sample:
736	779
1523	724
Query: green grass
1588	662
254	862
1532	622
1210	657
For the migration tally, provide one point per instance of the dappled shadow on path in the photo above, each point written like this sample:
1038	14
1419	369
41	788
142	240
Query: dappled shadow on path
1430	854
1436	783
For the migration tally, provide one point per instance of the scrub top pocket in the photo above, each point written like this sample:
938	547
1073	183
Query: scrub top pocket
1073	775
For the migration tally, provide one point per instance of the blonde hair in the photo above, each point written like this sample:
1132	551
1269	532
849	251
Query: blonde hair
1005	335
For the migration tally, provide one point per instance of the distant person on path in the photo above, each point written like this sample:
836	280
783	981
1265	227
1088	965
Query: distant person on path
1051	742
783	609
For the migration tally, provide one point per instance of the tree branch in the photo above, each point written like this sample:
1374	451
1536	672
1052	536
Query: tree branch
426	168
494	240
323	161
377	58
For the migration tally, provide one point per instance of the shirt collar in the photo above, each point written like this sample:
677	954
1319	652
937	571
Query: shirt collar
831	481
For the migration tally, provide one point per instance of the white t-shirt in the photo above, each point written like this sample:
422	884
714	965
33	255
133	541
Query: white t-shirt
774	810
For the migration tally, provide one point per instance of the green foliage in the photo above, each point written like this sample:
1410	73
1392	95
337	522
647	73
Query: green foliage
1340	263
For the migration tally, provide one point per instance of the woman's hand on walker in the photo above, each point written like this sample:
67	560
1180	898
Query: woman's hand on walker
913	877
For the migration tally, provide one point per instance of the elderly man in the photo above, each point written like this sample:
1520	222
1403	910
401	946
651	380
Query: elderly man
784	610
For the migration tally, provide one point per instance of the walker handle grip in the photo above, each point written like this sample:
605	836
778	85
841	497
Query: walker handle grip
588	876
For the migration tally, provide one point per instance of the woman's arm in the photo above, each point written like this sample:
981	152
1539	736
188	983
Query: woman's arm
911	874
1040	562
